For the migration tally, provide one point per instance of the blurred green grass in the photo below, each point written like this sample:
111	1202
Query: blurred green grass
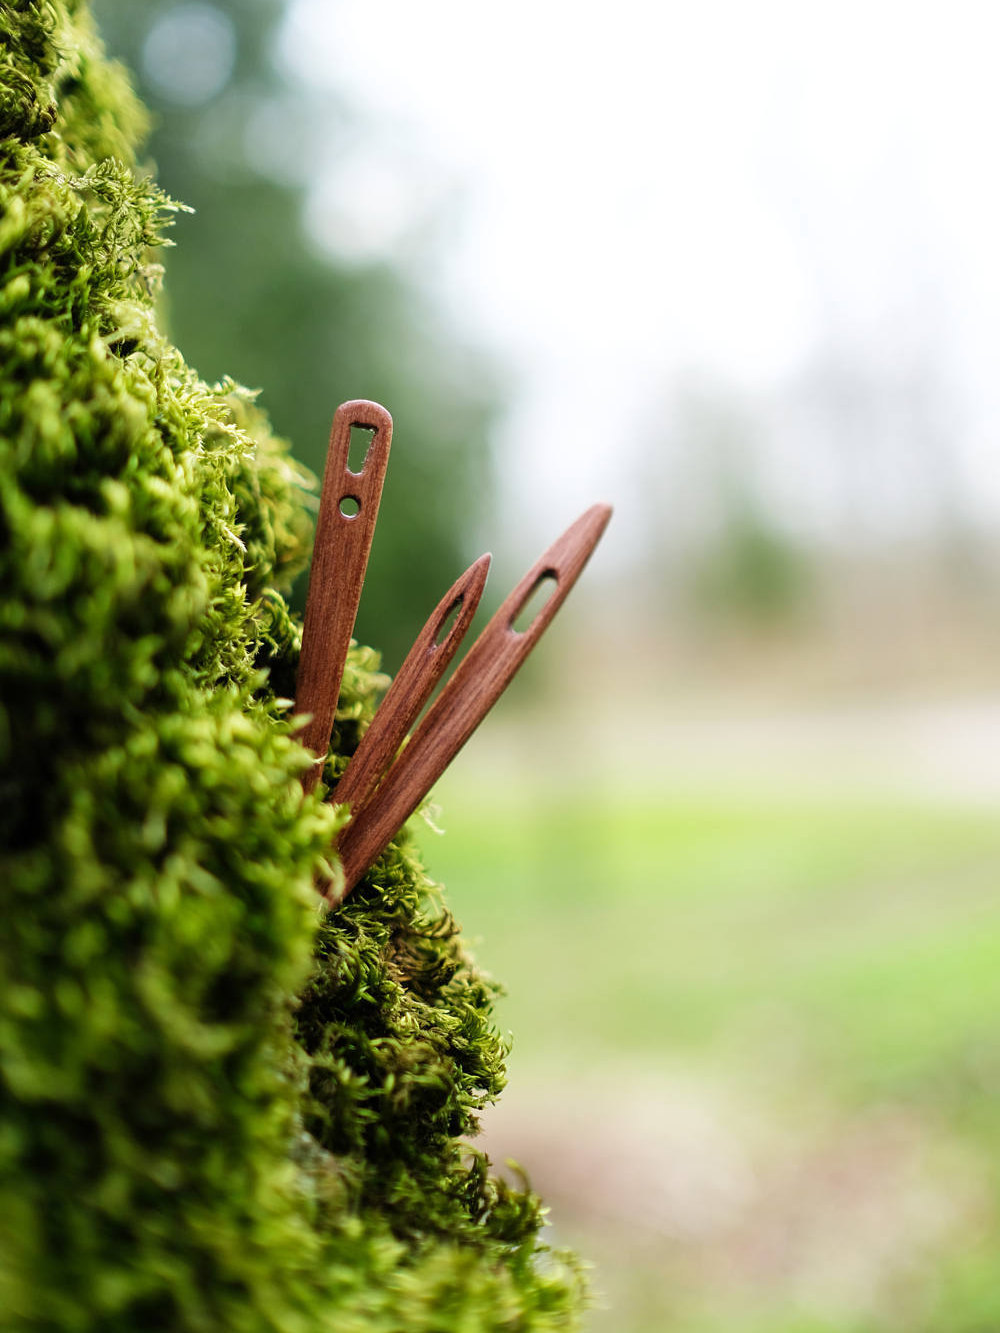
829	957
661	924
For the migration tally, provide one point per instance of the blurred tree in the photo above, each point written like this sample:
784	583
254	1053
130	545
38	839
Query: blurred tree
251	295
751	572
726	554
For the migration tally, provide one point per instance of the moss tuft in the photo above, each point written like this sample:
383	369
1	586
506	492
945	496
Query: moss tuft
221	1109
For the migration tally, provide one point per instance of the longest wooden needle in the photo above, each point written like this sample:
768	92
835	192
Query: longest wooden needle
479	680
348	509
425	664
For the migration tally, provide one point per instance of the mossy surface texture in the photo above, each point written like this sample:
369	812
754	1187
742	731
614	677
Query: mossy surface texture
222	1109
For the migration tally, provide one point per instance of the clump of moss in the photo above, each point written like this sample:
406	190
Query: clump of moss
222	1109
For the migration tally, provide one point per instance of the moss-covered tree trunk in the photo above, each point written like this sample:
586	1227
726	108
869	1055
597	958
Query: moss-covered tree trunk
221	1110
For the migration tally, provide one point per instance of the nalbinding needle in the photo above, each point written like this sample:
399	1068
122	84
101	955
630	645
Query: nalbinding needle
477	683
348	509
425	664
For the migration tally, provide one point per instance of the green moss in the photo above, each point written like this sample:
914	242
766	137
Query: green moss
221	1108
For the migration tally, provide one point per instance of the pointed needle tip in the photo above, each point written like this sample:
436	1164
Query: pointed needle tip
592	522
480	568
599	516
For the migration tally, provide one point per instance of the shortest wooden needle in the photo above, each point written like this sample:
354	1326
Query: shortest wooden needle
425	664
479	680
348	508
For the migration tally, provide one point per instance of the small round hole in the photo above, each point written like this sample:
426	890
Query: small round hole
350	506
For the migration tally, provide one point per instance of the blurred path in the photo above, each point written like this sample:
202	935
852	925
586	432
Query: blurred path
942	749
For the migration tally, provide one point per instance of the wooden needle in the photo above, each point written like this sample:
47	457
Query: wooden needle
425	664
479	680
348	509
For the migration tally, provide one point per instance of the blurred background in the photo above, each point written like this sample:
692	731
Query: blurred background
730	842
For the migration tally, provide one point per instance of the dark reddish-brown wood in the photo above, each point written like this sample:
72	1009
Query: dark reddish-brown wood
425	664
340	557
479	680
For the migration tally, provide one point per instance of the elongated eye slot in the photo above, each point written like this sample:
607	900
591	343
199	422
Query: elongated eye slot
448	622
535	602
362	439
350	506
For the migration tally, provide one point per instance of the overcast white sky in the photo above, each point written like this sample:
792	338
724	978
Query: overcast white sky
644	192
